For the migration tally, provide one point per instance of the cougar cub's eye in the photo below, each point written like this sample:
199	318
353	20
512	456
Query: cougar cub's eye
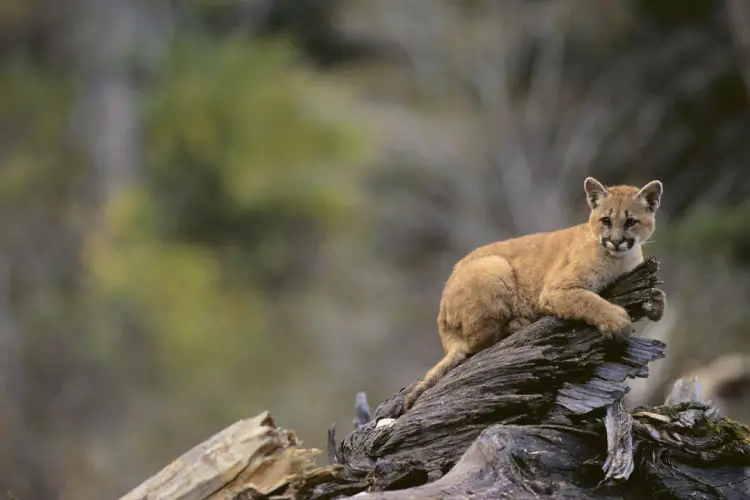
630	222
606	221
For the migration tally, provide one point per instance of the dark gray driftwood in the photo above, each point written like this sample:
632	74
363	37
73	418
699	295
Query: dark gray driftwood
539	415
538	397
556	462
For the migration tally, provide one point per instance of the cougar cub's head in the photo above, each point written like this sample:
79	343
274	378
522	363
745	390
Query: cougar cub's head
622	217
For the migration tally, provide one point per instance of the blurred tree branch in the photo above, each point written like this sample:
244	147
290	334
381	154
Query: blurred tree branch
738	16
114	41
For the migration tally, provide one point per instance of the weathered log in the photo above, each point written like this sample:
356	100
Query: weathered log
552	371
681	452
250	457
539	415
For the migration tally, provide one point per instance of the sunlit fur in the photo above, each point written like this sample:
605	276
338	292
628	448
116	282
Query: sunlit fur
499	288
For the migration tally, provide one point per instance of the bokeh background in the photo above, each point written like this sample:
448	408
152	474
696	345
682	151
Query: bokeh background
209	208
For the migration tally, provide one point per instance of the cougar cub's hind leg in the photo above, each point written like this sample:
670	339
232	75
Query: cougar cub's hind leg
474	314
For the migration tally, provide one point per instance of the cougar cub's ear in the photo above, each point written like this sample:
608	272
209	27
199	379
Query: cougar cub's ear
595	191
650	195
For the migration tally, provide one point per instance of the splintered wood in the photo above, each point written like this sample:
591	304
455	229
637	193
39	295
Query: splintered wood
252	454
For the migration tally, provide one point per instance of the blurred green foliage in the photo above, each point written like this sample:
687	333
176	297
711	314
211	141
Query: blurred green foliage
719	234
240	164
42	175
239	113
167	304
39	163
174	293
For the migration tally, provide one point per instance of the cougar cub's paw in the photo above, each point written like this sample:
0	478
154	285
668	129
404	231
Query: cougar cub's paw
617	326
655	306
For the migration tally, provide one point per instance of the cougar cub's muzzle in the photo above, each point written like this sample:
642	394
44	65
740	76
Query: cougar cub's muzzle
621	245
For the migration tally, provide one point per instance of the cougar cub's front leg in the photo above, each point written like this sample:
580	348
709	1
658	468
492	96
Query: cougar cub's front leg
581	304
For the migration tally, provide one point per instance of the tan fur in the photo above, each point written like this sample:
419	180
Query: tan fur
499	288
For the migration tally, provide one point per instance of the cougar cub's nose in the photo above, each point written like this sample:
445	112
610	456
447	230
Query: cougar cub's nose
618	245
623	244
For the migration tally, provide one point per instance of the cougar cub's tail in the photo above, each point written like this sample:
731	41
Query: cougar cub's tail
451	360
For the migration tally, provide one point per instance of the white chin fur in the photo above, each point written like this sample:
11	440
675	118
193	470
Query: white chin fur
622	252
